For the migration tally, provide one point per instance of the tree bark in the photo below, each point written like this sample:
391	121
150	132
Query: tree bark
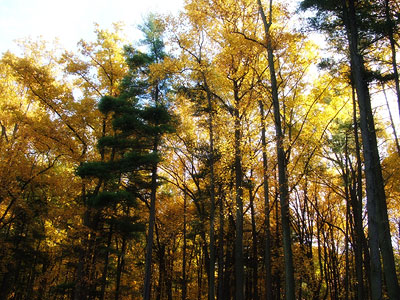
282	162
120	267
184	280
356	201
150	233
267	249
239	266
221	273
378	222
152	216
106	262
254	259
211	277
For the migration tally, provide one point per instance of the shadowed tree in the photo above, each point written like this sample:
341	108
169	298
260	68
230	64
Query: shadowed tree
349	19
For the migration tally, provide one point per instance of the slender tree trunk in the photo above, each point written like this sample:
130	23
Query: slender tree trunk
327	272
150	233
321	268
378	222
161	272
396	140
356	201
169	274
221	274
105	269
282	163
184	280
334	266
200	259
80	280
347	193
239	266
211	277
277	289
152	216
267	250
80	277
254	280
229	280
120	267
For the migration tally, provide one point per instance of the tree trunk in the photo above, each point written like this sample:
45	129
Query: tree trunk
149	247
396	140
150	233
239	266
105	269
378	223
211	277
282	163
221	274
321	268
169	274
254	260
161	272
356	203
184	280
120	267
267	225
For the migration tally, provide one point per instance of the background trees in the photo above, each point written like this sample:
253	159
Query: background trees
130	173
351	16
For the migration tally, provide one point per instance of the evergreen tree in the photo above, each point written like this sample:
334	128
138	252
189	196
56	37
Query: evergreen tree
154	112
139	119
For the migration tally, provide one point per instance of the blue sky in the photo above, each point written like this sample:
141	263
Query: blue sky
72	20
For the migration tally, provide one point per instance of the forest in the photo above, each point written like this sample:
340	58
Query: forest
243	149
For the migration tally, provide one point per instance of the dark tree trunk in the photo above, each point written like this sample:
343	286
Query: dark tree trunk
211	277
378	222
356	201
282	162
221	273
105	268
152	216
161	272
267	249
120	267
254	256
239	266
184	280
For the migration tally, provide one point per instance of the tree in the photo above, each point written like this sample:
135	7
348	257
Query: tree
348	15
97	70
282	163
240	152
157	109
49	142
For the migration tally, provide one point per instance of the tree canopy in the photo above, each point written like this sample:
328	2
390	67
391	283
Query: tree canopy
227	154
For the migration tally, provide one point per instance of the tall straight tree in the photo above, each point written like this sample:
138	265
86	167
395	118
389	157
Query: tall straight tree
227	82
267	209
348	15
156	109
282	160
140	118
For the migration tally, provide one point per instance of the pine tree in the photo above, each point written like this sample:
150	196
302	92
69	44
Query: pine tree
139	119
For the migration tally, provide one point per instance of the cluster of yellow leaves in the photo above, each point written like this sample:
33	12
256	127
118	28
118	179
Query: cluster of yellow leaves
49	124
